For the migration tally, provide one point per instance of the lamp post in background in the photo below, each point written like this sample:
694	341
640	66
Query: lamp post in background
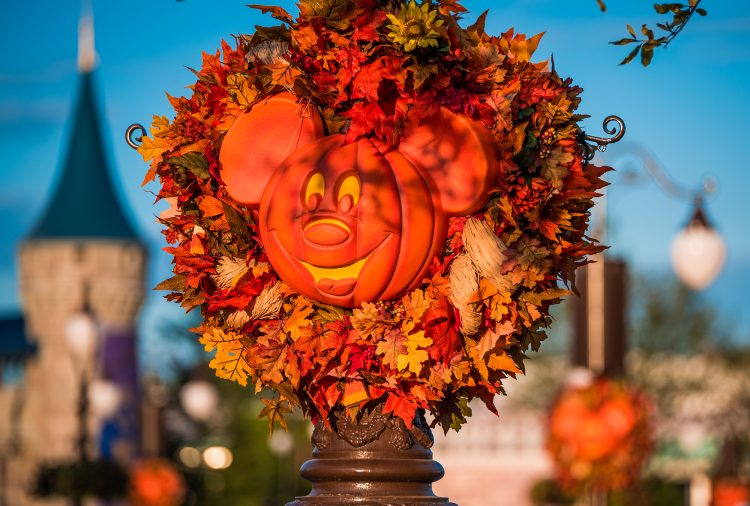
81	335
281	445
698	250
600	340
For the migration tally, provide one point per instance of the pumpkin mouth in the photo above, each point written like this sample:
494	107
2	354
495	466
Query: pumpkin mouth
336	280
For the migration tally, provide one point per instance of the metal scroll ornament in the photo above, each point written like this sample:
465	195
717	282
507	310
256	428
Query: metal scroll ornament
133	138
612	125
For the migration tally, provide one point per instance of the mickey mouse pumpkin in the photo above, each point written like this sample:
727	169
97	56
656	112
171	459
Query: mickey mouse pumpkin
350	223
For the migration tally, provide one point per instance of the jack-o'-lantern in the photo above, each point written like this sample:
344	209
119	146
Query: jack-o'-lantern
350	223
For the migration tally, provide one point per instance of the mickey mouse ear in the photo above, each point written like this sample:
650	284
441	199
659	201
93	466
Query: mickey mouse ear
260	139
459	155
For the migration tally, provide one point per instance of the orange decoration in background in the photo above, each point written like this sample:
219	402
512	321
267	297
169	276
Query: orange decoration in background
346	224
731	492
599	435
156	482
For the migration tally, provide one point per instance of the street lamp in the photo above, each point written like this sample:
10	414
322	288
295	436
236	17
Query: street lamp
105	397
81	336
698	251
199	399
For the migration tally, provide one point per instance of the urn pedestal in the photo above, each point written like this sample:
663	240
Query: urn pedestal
376	461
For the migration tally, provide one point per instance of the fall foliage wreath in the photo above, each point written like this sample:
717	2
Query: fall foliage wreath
368	71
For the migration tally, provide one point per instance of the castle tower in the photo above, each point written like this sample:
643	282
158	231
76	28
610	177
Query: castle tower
82	257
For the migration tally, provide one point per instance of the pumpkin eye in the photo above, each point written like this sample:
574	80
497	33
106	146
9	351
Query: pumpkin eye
348	194
314	190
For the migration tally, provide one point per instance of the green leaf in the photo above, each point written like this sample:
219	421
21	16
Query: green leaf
236	224
194	162
422	72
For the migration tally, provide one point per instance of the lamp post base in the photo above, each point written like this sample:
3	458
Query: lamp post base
376	461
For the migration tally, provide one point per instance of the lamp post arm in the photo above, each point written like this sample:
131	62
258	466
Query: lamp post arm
662	178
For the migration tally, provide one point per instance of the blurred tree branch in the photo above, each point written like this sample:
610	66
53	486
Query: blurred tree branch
681	15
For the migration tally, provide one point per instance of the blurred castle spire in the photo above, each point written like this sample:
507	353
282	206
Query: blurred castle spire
86	46
83	256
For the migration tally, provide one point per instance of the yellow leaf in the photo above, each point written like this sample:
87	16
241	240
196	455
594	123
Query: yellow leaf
416	303
415	354
413	361
153	147
260	268
230	364
499	304
523	48
229	361
274	411
283	73
477	360
490	338
215	337
503	362
160	127
298	319
241	90
392	345
368	320
197	147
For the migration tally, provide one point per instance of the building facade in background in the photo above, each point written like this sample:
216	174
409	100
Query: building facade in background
83	257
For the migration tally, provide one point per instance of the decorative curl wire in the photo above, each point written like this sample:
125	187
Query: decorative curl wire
591	144
133	140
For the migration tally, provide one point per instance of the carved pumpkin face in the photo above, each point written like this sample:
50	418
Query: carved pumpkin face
346	224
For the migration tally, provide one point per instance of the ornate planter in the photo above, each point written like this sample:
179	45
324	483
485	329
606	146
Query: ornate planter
377	461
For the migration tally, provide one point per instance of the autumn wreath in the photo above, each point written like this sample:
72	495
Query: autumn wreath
364	121
600	435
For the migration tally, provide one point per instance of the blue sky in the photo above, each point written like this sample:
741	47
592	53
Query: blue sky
690	108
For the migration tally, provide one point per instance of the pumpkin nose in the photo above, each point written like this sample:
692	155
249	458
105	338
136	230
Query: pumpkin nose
327	232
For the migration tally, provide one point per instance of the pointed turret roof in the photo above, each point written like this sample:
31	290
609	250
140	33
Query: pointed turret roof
84	203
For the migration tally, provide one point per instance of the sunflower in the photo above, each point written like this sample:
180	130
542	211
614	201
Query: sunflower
414	26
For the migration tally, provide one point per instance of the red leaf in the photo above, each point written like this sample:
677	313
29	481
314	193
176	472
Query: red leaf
441	326
401	407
